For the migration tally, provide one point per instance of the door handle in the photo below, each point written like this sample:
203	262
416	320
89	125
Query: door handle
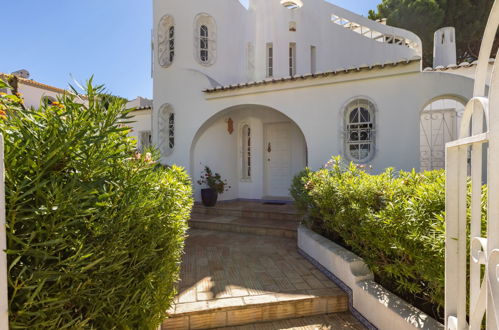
269	148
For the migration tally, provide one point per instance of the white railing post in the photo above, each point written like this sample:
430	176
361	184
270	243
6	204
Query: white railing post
4	302
480	125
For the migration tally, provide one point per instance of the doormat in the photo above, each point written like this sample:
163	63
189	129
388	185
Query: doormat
274	203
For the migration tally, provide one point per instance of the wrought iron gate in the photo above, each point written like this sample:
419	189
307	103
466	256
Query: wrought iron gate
437	127
479	128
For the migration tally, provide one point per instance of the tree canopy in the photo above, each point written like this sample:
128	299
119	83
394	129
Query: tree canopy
424	17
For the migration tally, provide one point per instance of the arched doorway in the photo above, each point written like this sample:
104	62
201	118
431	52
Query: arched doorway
439	124
256	148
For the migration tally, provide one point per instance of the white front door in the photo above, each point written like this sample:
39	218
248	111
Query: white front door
277	158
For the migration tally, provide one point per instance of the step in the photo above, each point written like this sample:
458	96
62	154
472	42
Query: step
344	321
251	210
251	309
254	226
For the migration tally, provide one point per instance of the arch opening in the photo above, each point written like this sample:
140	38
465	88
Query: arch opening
440	121
257	149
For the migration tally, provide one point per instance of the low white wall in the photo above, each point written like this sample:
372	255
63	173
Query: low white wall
380	307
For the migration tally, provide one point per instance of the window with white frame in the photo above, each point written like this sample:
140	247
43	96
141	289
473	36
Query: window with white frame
246	152
166	41
359	131
270	60
205	39
292	59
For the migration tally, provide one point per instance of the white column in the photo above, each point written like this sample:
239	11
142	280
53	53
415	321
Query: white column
4	306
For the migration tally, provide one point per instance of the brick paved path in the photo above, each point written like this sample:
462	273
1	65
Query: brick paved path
233	273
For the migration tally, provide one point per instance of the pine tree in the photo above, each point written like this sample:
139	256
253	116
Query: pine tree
424	17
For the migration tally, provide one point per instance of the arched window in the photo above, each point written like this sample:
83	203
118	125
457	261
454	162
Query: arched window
246	152
171	130
292	4
205	31
359	131
203	43
166	128
166	41
171	42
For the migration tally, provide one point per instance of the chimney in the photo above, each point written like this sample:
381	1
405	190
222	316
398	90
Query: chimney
444	47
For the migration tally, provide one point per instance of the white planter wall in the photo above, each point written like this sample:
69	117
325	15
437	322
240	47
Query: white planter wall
378	306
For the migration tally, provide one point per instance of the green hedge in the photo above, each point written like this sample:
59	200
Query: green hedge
395	221
95	232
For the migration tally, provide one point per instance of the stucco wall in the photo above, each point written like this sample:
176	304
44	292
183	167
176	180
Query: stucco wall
316	105
33	95
215	147
141	122
267	21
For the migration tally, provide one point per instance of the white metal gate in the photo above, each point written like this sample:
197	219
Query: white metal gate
483	289
438	127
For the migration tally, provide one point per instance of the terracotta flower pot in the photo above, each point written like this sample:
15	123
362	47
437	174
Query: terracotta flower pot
209	197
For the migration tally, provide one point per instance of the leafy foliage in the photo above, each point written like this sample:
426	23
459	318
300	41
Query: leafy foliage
424	17
213	180
395	222
95	234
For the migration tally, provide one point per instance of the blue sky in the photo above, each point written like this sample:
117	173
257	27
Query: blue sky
110	39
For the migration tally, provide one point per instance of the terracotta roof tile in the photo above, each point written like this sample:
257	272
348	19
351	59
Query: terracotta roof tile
311	76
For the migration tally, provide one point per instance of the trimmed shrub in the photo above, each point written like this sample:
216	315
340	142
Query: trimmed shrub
394	221
95	231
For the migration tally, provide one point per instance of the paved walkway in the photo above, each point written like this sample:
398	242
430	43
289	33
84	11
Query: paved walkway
219	265
337	321
230	271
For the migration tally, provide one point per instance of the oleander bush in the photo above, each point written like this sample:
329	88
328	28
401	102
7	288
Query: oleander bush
395	221
95	230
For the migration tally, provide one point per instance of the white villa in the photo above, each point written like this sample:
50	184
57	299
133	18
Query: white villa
257	94
34	92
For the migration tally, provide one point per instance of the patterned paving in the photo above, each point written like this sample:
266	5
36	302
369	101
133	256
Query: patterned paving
337	321
258	206
256	226
219	265
229	278
286	212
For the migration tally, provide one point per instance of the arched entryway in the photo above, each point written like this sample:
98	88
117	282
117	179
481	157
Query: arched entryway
256	148
440	122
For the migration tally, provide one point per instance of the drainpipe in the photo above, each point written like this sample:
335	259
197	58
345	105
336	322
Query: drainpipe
4	302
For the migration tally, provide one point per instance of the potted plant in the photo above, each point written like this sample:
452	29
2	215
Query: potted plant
215	185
